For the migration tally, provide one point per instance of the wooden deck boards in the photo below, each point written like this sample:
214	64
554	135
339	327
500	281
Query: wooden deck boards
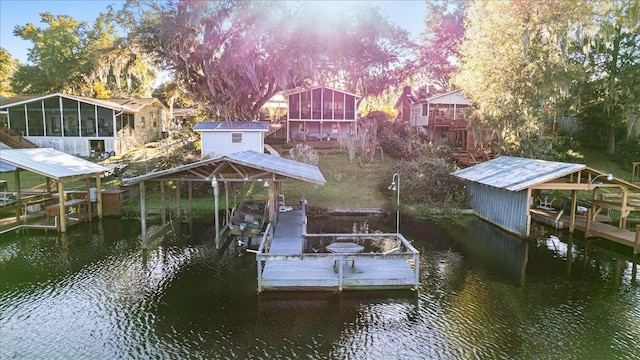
295	274
598	229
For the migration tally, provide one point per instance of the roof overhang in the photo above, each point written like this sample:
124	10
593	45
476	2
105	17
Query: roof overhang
516	174
51	163
238	167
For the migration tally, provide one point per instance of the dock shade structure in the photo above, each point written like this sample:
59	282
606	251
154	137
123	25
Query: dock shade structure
245	166
56	165
505	190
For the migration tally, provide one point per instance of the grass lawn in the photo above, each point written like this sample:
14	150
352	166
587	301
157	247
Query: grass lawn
348	184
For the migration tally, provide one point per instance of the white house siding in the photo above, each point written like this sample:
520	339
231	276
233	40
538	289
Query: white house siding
506	209
219	143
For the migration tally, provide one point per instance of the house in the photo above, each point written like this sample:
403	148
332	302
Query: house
84	126
220	138
405	103
443	117
321	113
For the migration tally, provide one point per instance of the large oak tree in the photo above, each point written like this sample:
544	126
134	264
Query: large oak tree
233	56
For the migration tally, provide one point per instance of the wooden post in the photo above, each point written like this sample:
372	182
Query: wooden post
88	197
574	204
143	216
62	216
163	205
190	191
178	207
636	246
587	226
16	176
624	212
99	193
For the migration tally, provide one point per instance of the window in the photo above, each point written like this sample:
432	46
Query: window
424	109
236	137
303	128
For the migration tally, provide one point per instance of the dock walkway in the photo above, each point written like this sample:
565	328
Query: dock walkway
593	228
288	268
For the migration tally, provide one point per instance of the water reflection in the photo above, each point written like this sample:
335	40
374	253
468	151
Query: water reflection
93	293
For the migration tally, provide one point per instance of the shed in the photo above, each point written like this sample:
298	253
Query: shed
56	165
503	190
221	138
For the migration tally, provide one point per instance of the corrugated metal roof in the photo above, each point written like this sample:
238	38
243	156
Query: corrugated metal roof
231	125
243	166
515	174
50	162
279	165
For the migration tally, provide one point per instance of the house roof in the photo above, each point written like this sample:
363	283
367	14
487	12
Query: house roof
516	174
242	166
50	163
130	105
231	125
185	112
297	91
436	99
136	104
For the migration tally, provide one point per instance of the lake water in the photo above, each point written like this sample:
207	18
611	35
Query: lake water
94	294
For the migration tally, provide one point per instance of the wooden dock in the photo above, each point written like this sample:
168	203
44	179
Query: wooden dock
592	228
284	265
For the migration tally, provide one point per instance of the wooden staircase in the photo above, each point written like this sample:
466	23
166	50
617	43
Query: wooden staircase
15	140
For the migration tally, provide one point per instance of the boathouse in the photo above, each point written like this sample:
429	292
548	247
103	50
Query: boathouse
42	209
288	258
510	191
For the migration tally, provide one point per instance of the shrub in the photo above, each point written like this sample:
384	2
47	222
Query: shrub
304	153
427	180
628	150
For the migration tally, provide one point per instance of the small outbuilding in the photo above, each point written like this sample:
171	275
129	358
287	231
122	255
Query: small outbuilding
507	190
220	138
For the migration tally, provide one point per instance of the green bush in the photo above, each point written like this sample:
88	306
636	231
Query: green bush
427	180
628	150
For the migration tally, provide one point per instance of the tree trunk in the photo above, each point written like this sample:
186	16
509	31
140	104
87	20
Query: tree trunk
611	143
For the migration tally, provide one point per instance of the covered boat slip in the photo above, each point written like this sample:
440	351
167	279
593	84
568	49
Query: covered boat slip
42	209
288	262
224	172
510	192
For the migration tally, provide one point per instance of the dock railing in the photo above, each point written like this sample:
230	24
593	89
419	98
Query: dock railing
377	246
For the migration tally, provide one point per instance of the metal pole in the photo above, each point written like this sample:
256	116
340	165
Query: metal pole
216	192
395	186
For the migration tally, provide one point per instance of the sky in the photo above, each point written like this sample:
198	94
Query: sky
408	14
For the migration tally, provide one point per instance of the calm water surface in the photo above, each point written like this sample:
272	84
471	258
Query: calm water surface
93	294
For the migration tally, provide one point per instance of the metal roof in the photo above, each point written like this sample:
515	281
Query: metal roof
242	166
130	105
231	125
515	174
50	162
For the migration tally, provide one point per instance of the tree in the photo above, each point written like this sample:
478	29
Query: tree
233	56
68	56
444	31
515	67
367	54
8	66
57	56
607	97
